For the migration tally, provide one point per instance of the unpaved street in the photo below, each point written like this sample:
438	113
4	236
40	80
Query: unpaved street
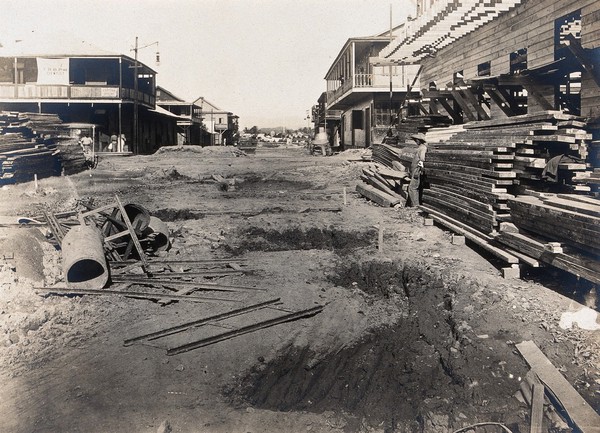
416	334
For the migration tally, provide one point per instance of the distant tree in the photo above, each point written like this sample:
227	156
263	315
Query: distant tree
253	130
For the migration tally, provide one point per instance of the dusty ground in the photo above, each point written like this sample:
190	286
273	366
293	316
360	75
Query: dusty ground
417	336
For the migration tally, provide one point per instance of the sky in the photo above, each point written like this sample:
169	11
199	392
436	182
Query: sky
263	60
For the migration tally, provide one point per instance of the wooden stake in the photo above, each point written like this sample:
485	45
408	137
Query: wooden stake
345	200
35	181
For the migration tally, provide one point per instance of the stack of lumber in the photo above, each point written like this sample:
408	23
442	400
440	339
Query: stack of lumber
474	172
408	126
44	125
394	156
562	230
552	139
490	175
33	144
383	185
22	165
470	175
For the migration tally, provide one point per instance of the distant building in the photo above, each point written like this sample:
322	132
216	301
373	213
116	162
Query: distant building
85	84
220	124
190	129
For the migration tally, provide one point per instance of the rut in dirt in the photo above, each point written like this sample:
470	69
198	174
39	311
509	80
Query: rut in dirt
395	375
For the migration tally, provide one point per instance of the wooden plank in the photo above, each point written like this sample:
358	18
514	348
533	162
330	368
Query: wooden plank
578	410
537	408
376	195
585	208
478	240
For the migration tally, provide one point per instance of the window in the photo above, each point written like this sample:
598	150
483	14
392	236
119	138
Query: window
518	61
484	69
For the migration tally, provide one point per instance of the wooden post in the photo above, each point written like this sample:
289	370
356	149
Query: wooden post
345	200
35	182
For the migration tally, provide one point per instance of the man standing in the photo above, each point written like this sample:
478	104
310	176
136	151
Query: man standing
416	169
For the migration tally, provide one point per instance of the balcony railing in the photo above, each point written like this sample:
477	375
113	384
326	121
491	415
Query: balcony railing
34	91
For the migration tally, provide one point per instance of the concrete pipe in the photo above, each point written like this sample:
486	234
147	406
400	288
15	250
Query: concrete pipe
159	229
138	215
84	263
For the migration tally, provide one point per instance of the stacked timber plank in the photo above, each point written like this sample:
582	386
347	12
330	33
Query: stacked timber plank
496	173
383	185
33	144
469	176
474	172
562	230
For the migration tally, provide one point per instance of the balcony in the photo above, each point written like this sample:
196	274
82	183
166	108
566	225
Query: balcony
379	81
25	92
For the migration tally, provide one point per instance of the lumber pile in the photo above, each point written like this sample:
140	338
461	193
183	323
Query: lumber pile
389	175
474	172
383	185
500	171
561	230
36	144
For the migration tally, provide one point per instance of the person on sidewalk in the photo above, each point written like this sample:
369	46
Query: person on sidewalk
416	169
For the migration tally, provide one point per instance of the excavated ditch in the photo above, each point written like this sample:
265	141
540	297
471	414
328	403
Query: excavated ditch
422	374
297	238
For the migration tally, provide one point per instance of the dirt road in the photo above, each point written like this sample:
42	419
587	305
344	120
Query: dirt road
416	334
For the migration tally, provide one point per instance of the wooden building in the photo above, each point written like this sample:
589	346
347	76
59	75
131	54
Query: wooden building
515	57
82	83
190	129
366	95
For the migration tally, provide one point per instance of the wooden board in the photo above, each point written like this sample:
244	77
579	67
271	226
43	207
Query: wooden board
580	412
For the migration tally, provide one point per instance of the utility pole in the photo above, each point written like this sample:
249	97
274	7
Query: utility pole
390	70
135	141
135	100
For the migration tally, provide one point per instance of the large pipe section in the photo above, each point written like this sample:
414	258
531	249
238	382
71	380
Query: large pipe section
83	259
160	233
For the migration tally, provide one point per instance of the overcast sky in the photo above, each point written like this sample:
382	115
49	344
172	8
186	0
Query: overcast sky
264	60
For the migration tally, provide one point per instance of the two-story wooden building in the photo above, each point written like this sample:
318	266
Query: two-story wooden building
367	95
190	127
83	84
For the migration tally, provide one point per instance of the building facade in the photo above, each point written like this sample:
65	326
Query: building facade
84	84
515	57
366	92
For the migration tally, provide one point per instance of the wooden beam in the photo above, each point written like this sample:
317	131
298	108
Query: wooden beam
581	55
532	89
450	110
463	104
579	411
471	97
537	408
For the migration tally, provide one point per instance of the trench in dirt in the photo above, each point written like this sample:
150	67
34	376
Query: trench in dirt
396	375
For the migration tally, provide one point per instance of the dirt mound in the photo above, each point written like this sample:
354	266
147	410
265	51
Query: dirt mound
211	150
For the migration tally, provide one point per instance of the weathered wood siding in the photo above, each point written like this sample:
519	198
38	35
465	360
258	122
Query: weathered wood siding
590	38
531	26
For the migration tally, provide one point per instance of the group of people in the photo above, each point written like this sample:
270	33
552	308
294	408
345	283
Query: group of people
112	143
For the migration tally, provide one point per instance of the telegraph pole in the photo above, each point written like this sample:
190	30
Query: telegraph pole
135	100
